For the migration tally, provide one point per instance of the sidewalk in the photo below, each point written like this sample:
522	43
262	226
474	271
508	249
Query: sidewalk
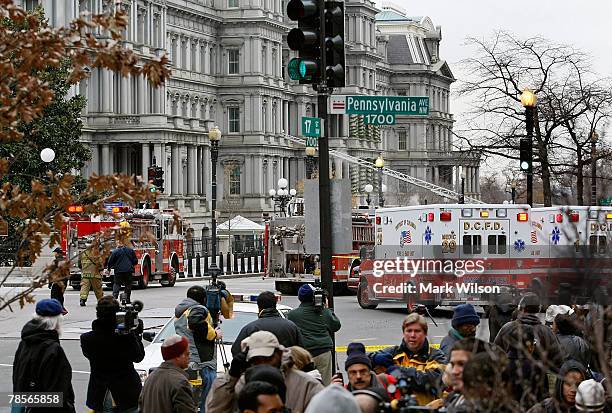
17	282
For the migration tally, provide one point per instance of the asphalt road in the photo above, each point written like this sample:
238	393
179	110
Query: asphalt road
371	327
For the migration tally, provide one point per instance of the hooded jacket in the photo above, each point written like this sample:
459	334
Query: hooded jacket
447	342
425	367
301	388
111	358
547	348
315	327
42	366
193	321
574	348
557	403
271	320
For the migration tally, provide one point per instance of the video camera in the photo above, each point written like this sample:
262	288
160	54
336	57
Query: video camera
318	295
407	402
127	316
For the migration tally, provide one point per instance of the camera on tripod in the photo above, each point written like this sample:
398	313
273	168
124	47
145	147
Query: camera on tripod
318	295
127	316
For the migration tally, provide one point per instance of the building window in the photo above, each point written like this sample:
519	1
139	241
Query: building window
30	5
234	180
234	119
402	142
233	4
233	62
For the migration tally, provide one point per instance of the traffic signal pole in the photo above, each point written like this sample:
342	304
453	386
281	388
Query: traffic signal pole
324	181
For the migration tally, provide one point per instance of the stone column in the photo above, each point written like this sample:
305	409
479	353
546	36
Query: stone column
199	169
279	117
197	55
142	87
286	173
123	158
113	151
176	166
106	90
474	179
187	64
270	175
269	120
191	170
123	98
146	161
248	174
286	116
206	174
95	159
338	167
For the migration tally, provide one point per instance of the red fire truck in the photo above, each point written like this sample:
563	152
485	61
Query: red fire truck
285	259
159	261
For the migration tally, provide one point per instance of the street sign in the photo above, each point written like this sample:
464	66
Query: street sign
379	105
312	141
379	119
311	126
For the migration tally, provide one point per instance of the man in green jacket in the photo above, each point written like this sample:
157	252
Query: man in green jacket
316	326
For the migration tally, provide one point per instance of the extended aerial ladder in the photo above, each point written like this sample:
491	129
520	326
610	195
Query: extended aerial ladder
436	189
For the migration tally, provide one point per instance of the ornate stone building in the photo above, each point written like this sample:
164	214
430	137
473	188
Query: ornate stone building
228	59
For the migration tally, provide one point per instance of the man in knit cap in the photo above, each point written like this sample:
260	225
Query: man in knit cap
316	326
167	389
359	370
464	324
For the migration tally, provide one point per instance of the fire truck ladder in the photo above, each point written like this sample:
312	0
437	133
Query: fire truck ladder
436	189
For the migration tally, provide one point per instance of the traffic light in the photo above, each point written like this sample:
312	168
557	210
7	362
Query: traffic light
306	40
334	44
159	178
526	155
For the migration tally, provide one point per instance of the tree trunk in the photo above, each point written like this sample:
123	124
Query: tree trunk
543	155
579	177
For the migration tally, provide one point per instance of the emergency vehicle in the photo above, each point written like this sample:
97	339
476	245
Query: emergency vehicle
159	261
285	259
569	247
445	254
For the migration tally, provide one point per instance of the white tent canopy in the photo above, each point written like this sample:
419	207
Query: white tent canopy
240	224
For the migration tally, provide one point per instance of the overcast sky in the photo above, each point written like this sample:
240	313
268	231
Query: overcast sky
584	24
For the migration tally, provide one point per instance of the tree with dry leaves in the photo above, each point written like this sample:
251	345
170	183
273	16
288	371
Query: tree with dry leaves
26	54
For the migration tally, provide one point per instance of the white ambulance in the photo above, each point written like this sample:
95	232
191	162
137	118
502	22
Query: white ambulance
445	254
571	248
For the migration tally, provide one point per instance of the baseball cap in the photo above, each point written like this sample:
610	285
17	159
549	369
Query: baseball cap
260	344
554	310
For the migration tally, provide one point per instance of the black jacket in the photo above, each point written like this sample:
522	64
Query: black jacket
499	314
547	349
111	357
557	403
574	348
270	320
122	260
42	366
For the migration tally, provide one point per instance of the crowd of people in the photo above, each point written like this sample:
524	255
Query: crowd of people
285	364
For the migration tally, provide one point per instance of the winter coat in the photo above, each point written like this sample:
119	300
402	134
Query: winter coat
42	366
315	326
426	367
499	314
547	349
167	389
530	383
90	265
557	404
301	388
122	260
270	320
193	321
574	348
447	342
111	358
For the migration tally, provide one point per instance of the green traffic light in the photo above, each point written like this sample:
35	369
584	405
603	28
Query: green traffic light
152	188
294	69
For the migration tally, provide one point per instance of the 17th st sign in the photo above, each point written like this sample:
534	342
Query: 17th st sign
379	105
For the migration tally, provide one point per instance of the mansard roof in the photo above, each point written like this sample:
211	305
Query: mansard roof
407	49
391	16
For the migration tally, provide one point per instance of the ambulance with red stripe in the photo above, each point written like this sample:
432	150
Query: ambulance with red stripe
445	254
570	250
160	259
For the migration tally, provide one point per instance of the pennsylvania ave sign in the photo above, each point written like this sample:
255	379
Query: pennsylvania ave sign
379	105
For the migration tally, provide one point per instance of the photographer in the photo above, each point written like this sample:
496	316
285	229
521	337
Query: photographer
194	321
415	359
112	353
316	323
262	348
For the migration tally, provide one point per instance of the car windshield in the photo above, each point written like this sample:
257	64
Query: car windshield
230	328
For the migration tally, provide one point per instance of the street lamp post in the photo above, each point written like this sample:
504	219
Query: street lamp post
594	137
529	100
282	196
462	198
310	160
214	134
368	188
380	164
47	155
513	189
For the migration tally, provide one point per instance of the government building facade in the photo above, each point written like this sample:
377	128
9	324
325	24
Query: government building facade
229	61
